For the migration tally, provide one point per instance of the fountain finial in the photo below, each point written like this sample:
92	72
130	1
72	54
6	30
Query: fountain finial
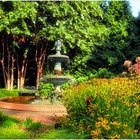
58	45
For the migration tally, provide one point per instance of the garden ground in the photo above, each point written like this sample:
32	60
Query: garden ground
99	108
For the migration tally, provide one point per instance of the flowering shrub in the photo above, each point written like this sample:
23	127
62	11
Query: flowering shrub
104	108
133	68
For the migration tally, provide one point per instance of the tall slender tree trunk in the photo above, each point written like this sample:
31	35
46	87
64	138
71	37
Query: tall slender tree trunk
7	64
22	73
12	71
18	79
2	63
37	76
4	73
40	58
8	71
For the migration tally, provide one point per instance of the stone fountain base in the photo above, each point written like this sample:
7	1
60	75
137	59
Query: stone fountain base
48	114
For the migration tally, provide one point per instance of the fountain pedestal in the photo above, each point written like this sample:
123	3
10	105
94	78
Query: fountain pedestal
57	62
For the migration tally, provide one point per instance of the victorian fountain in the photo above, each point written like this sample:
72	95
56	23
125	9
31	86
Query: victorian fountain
57	63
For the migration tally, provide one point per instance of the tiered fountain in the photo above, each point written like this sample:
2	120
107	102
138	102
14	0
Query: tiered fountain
56	63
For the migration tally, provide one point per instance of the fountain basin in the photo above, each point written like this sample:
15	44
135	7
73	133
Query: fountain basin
59	79
63	59
58	58
49	110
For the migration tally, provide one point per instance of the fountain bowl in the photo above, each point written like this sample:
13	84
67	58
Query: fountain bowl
63	59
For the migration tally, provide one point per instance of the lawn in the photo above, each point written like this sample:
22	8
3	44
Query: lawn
12	128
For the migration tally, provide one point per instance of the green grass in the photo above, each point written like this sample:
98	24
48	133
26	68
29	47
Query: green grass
12	128
16	132
61	134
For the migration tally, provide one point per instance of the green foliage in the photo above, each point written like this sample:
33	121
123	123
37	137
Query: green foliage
17	14
45	89
95	34
77	24
5	93
11	128
102	108
83	76
65	86
33	126
103	73
118	18
135	38
7	121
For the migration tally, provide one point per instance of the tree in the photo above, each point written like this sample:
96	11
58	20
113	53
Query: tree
78	25
14	22
135	39
119	21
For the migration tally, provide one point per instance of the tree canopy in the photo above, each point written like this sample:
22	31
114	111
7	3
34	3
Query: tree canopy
95	35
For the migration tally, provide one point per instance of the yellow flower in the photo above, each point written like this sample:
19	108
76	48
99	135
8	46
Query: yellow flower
105	122
93	106
136	131
116	123
124	125
107	127
117	136
125	132
100	119
98	124
107	115
96	132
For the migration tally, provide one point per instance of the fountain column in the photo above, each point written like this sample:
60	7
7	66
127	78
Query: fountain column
57	67
56	64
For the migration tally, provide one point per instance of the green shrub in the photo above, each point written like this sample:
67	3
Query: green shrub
65	86
103	73
46	89
83	76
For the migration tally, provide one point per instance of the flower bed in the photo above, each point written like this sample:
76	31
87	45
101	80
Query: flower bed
104	108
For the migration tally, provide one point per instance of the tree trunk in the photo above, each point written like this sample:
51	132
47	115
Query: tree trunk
4	73
37	77
8	72
2	62
22	73
40	58
7	64
12	72
18	80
